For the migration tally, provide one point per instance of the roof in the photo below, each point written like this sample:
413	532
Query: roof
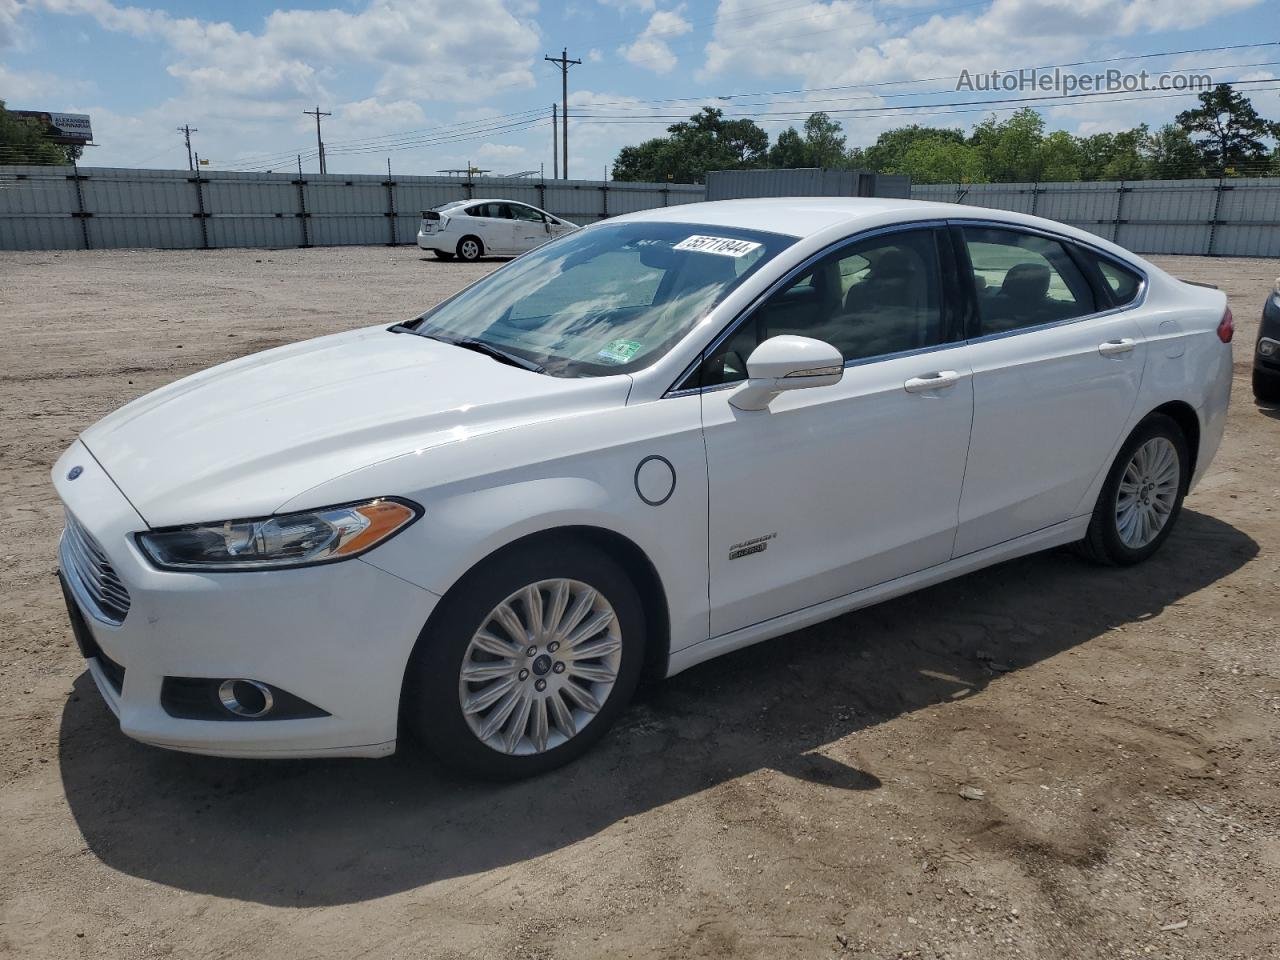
796	216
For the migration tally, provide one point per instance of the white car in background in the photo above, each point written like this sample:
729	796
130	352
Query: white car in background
651	442
470	229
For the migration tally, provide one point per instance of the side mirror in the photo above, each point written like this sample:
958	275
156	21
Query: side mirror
787	363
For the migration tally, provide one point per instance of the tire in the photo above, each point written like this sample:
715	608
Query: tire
1266	386
1155	490
470	248
443	255
432	705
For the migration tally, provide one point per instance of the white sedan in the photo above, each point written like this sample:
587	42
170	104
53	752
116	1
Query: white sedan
656	440
470	229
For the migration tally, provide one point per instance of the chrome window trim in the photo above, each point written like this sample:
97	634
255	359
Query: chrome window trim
1133	304
1138	301
795	272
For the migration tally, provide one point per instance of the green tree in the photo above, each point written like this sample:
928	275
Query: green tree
820	145
888	153
941	160
26	140
1228	132
1011	149
705	142
1059	157
1171	154
1116	156
789	151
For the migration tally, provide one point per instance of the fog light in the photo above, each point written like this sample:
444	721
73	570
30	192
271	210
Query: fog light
1268	347
246	698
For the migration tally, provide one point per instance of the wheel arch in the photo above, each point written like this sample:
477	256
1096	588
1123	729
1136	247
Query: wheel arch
457	247
1188	421
643	573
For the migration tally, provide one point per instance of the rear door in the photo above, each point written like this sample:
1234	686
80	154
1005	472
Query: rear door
1056	373
493	225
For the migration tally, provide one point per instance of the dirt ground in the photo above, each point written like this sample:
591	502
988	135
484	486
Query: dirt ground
798	799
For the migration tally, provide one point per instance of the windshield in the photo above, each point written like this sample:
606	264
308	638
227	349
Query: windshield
608	300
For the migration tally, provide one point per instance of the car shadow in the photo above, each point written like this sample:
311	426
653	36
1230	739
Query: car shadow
319	832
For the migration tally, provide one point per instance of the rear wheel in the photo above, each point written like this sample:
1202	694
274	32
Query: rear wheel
1142	496
470	248
528	661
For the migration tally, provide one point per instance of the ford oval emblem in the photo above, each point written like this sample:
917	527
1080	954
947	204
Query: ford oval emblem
75	472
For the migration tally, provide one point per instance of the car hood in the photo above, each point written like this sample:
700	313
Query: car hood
241	439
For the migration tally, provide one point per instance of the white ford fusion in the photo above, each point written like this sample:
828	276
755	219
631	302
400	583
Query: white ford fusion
653	441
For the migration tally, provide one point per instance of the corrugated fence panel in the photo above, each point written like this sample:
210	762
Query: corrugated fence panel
155	210
35	209
253	210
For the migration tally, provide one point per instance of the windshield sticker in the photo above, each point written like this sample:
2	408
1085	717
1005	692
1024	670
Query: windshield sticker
724	246
621	351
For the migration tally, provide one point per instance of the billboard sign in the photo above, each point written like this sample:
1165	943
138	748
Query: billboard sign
71	129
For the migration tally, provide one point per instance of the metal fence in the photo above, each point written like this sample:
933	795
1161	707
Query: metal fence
71	208
1224	218
810	182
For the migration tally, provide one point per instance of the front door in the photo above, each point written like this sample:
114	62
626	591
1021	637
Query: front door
531	228
833	489
1055	380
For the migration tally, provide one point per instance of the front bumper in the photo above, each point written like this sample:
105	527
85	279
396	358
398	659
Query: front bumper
336	635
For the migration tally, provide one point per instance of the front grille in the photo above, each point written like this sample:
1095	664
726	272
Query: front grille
91	576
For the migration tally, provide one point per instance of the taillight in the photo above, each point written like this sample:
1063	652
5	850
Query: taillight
1226	326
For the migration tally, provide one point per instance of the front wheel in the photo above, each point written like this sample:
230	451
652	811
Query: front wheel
528	662
1142	496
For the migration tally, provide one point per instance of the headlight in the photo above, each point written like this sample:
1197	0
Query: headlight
287	540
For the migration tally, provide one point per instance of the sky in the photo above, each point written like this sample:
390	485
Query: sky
439	84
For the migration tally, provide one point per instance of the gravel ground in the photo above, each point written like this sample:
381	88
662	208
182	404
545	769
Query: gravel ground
1116	729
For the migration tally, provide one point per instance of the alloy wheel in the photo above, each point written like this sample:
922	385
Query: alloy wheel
540	667
1147	493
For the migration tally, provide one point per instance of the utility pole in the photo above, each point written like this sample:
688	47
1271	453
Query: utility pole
317	113
555	145
564	63
187	130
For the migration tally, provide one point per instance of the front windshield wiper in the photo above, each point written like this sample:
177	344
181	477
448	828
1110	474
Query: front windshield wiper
473	343
497	353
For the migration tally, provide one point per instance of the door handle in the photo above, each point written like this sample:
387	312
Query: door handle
938	380
1116	348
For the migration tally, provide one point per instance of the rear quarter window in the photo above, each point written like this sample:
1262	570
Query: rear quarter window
1123	283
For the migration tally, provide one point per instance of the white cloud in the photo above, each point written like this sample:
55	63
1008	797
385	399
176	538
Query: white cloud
467	51
32	89
642	5
651	50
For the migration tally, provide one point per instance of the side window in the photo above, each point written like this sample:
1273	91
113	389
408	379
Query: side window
479	210
1123	283
877	297
1024	280
522	212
